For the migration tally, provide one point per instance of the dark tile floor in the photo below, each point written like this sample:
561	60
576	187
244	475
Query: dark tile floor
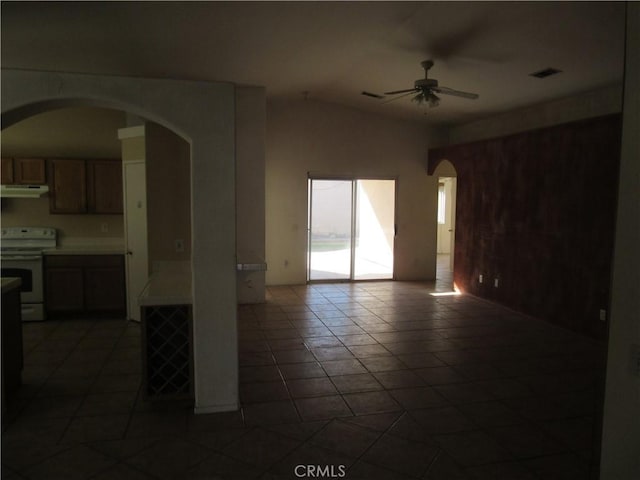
377	380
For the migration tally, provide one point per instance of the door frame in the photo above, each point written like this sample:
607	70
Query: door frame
133	307
353	179
445	169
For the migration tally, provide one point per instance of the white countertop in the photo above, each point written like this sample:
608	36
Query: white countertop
88	246
9	283
86	250
167	288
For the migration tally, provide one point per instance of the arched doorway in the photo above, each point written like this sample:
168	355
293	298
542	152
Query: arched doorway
203	114
445	224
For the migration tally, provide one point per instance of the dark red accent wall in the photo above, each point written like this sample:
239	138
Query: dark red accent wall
536	210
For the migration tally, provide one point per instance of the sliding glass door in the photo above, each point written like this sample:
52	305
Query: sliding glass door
330	229
375	229
351	229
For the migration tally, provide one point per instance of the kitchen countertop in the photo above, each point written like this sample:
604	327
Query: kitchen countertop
167	288
86	250
9	283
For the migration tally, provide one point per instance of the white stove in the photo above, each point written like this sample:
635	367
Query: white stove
21	256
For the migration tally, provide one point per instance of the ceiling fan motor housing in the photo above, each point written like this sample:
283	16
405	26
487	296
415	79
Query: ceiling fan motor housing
426	83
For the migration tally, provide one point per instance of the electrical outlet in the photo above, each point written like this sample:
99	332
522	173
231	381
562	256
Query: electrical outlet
480	279
179	245
603	315
496	282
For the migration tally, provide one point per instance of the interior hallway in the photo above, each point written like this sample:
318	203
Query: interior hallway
381	377
444	274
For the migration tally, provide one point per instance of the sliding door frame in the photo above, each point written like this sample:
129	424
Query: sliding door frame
353	179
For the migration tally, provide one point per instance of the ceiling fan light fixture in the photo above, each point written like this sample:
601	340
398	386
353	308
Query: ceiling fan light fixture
434	100
426	98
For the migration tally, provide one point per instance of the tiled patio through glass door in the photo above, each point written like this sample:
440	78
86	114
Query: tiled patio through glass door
370	380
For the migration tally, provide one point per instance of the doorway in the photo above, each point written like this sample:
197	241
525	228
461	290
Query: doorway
446	221
351	229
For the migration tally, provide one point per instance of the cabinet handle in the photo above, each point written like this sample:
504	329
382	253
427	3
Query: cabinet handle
129	252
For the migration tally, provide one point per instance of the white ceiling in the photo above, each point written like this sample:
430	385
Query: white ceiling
334	50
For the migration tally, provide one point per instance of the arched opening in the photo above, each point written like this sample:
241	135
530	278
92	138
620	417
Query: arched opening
92	135
203	114
445	225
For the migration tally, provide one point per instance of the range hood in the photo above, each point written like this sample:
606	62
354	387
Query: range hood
23	191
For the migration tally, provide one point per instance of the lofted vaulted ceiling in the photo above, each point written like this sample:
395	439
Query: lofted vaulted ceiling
334	50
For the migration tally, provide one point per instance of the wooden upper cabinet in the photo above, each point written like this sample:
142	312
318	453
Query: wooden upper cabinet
29	171
85	186
7	171
24	171
67	186
104	180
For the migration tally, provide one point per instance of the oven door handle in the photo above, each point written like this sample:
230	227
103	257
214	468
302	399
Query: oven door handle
21	258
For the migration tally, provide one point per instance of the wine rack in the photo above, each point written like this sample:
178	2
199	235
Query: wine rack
168	352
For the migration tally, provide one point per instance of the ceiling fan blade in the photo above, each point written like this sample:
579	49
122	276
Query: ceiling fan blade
372	95
455	93
406	94
401	91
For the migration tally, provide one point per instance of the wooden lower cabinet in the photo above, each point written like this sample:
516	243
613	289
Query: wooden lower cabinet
85	284
104	288
64	289
12	354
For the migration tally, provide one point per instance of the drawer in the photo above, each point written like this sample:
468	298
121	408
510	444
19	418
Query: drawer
53	261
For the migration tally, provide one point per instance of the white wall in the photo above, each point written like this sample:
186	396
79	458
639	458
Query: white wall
250	186
168	175
621	423
324	139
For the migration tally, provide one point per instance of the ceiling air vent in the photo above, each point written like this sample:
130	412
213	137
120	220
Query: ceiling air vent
547	72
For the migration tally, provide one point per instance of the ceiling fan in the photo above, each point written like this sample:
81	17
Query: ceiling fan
425	89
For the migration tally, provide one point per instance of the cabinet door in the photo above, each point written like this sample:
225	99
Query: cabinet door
29	171
104	186
104	289
12	355
7	171
64	290
68	186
